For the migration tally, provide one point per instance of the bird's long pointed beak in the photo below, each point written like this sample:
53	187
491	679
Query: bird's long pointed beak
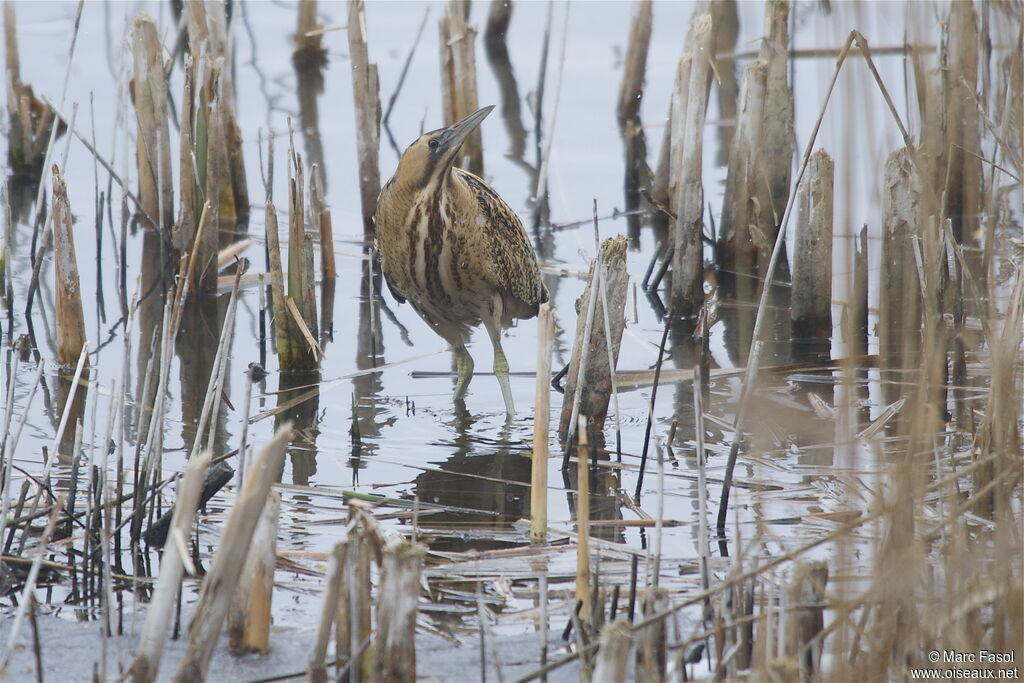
455	134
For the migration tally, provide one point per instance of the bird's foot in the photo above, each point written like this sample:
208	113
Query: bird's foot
501	372
464	370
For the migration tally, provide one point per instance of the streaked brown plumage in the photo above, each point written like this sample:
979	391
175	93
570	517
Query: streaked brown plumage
452	248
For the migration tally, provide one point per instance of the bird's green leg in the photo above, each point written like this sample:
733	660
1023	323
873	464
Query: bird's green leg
501	372
464	368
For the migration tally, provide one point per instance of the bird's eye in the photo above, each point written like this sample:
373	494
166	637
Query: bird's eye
432	144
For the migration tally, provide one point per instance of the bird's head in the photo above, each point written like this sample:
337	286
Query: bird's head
434	153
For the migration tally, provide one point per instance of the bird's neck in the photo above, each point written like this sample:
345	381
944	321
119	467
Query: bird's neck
405	193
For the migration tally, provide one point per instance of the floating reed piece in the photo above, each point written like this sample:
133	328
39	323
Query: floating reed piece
899	306
172	568
220	582
366	95
811	307
397	606
632	86
458	78
804	625
309	53
153	139
777	135
591	350
541	420
31	121
249	616
687	258
70	317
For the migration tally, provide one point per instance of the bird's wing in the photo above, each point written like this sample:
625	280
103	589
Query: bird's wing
515	263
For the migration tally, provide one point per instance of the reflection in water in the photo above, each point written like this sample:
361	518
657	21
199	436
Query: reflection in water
199	334
497	56
302	389
76	411
369	354
309	72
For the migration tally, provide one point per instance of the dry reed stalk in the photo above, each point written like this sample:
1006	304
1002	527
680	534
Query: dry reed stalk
70	318
220	581
366	95
309	53
28	592
777	136
583	592
184	232
322	220
541	420
153	140
316	670
811	307
804	625
305	354
651	653
687	259
590	373
342	616
677	131
613	657
172	567
364	548
458	78
31	121
249	616
738	241
635	65
397	607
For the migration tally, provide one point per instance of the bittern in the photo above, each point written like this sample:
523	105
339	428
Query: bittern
451	247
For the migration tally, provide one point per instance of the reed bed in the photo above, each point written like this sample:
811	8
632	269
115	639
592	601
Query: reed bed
867	476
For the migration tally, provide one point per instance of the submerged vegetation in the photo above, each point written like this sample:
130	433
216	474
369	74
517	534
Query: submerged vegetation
789	443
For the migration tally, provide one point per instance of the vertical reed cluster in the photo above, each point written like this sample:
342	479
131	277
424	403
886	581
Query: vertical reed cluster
457	40
366	95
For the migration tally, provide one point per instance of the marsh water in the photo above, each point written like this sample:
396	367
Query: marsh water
383	422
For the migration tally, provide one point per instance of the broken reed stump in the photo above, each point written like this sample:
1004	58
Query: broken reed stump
300	301
153	138
30	120
613	656
595	387
208	36
742	234
397	607
366	95
172	567
220	582
249	617
635	65
458	79
806	621
777	135
811	294
337	568
353	612
541	420
321	220
651	650
676	131
687	258
70	318
899	303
